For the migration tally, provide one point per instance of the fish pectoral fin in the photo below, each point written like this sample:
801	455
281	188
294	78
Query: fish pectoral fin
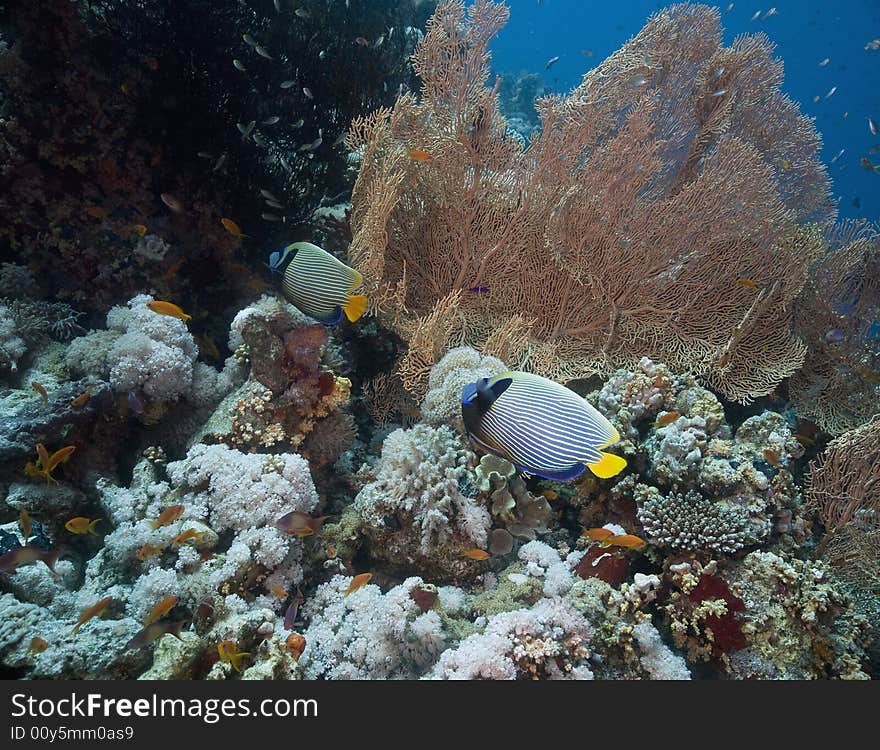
608	466
355	307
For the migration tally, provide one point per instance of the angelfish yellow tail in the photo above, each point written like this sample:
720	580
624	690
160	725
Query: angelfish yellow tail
355	307
608	466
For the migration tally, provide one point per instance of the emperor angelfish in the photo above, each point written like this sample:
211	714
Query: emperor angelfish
541	427
319	284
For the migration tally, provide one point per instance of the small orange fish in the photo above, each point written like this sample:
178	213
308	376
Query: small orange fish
25	521
597	535
96	212
630	541
417	154
295	644
771	457
297	523
162	608
360	580
667	418
81	525
37	645
866	164
208	346
151	632
148	551
42	391
747	283
169	309
81	399
330	551
229	654
230	226
12	561
278	591
46	463
169	200
91	612
550	494
172	270
476	554
168	516
140	229
184	536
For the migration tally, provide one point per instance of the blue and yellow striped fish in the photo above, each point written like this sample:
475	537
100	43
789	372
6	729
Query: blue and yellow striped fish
319	284
541	427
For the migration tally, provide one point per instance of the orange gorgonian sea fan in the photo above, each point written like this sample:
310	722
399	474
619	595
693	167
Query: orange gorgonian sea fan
664	209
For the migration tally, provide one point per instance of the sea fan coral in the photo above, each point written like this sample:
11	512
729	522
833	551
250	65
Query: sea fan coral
623	229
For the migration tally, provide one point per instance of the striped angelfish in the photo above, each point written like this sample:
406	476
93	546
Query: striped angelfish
541	427
319	284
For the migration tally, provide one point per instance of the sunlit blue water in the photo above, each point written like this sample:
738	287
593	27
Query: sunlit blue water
805	32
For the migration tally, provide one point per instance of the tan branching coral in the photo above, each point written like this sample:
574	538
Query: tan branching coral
846	478
658	212
837	314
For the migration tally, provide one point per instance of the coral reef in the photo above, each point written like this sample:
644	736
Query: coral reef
643	219
286	500
837	315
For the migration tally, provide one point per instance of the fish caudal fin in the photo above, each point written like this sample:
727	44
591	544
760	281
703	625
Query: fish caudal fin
355	307
608	466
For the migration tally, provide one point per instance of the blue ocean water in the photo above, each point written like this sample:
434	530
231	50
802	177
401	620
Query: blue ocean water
805	33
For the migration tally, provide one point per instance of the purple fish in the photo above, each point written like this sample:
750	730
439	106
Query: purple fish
479	289
134	403
835	336
290	615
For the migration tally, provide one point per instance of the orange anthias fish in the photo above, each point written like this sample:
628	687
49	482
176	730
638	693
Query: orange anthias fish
597	535
81	525
96	212
229	654
42	391
37	645
82	399
91	612
295	644
162	608
476	554
169	309
173	203
417	154
297	523
278	591
168	516
172	270
184	536
46	463
667	418
630	541
25	521
11	561
747	283
230	226
772	458
359	581
148	551
139	229
151	632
